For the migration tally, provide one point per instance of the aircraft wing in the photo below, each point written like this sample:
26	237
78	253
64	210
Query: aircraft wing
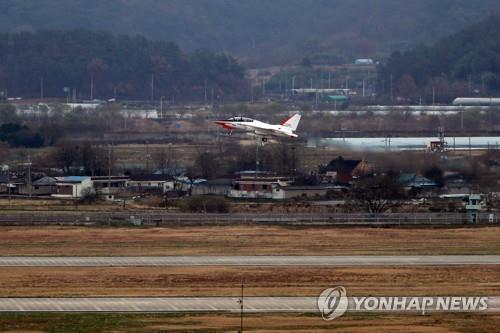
266	131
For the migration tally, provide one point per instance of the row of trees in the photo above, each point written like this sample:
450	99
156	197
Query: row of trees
83	158
282	159
48	127
102	65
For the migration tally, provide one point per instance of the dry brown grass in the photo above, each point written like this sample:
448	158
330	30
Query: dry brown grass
265	281
277	323
226	281
359	323
245	240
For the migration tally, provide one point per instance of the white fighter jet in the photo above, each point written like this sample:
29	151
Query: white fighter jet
264	130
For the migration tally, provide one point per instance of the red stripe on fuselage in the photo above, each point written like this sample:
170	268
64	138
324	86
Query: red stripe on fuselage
225	125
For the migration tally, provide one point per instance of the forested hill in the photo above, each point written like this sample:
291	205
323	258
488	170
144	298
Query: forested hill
120	66
466	63
280	30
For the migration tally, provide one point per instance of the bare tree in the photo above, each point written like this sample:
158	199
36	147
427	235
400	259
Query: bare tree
164	158
66	155
376	194
207	165
96	160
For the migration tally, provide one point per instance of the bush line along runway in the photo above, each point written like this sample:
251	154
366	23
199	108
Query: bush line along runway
441	260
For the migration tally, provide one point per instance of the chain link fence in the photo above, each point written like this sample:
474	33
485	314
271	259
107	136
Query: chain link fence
173	219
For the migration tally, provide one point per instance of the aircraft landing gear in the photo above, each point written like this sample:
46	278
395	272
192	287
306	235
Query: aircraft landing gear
264	140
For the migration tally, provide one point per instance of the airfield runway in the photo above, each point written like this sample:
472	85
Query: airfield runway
159	304
444	260
179	304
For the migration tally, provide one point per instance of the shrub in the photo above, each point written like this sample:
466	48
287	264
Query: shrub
204	204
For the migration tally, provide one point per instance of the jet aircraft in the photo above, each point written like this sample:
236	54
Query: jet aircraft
260	129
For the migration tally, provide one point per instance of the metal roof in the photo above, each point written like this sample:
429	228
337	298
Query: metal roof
72	179
45	181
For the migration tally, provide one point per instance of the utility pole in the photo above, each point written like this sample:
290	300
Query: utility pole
30	187
257	164
8	184
152	87
241	310
433	96
41	87
329	80
205	92
161	106
109	169
147	156
392	92
470	149
92	87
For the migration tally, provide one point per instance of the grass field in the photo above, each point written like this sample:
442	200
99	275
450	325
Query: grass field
258	281
246	240
277	323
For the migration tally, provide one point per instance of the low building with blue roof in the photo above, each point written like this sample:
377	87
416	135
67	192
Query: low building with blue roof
72	186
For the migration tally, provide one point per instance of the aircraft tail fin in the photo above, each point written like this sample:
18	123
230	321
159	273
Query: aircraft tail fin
292	122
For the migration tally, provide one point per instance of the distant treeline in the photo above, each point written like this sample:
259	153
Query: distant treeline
263	32
119	66
467	63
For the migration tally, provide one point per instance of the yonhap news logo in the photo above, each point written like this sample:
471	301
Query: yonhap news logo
334	302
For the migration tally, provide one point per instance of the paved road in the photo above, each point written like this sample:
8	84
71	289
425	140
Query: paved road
250	261
178	304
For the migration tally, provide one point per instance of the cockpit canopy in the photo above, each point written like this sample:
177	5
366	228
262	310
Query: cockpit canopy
241	119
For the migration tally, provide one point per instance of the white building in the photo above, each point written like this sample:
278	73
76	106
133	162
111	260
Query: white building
256	188
151	184
364	62
72	186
